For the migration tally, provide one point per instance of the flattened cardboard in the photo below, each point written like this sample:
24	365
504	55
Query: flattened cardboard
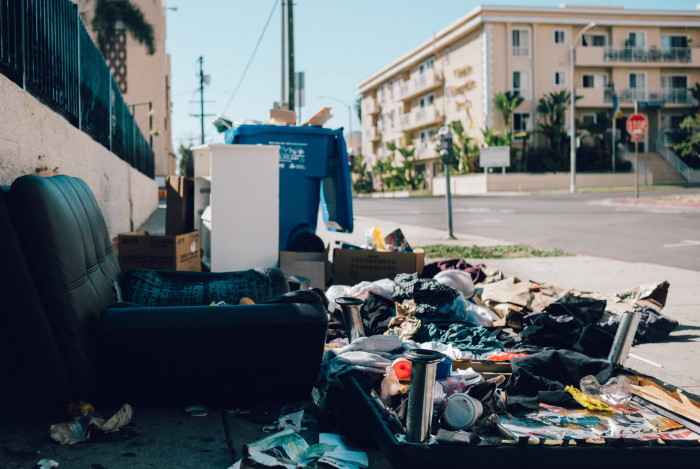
313	265
139	250
351	266
179	212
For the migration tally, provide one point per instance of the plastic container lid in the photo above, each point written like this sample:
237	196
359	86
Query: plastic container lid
402	368
461	411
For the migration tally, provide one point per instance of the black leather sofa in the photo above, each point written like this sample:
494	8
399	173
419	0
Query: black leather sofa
69	334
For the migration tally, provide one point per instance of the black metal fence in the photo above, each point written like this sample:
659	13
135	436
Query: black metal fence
45	49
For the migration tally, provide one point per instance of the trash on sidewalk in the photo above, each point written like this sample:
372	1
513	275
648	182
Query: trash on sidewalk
287	449
84	419
47	464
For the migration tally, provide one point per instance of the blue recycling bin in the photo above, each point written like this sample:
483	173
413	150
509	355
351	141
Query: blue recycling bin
313	168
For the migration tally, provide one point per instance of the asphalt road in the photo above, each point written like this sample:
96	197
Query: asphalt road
590	223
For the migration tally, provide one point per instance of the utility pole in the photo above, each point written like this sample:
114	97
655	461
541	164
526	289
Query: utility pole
202	80
283	67
201	95
290	50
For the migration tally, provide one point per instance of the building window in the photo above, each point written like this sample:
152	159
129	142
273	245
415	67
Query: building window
520	41
391	89
675	88
559	78
588	119
521	122
559	36
637	84
636	39
669	42
427	65
594	40
521	83
446	56
594	80
427	100
381	93
391	117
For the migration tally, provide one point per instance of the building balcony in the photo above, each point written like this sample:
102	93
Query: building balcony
425	150
418	85
373	134
421	117
661	96
637	57
369	106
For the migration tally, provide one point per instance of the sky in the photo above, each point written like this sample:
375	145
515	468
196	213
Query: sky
338	43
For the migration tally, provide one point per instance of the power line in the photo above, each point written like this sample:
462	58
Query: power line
255	50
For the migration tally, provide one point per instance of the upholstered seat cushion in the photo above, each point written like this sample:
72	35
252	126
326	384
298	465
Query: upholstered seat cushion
169	288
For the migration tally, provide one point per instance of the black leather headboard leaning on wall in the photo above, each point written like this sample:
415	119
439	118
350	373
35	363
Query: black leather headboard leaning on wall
189	353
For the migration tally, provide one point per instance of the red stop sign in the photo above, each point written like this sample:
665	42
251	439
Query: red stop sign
637	124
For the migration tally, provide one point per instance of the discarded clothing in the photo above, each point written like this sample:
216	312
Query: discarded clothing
553	370
431	269
430	296
377	313
653	326
475	339
570	323
334	366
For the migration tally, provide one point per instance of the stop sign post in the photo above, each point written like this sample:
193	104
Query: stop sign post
637	126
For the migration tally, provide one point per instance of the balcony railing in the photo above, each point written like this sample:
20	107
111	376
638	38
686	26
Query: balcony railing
373	134
420	84
421	117
45	49
425	150
369	106
635	54
665	95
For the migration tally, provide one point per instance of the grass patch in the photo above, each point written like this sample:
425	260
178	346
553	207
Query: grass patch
501	251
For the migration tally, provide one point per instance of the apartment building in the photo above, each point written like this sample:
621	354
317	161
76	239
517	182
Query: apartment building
644	56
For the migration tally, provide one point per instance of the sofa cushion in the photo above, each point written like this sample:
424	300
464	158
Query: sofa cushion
69	253
169	288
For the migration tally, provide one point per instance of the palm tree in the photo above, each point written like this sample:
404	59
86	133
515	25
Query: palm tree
109	14
507	103
552	109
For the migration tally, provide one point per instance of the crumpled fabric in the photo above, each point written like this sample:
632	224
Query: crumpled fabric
371	354
333	366
474	271
653	326
431	297
405	324
377	313
475	339
570	323
457	279
553	370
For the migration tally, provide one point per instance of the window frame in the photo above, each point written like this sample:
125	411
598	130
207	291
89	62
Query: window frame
563	37
561	74
526	93
524	51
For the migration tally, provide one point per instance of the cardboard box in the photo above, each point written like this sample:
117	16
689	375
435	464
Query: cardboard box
139	250
352	266
179	212
313	265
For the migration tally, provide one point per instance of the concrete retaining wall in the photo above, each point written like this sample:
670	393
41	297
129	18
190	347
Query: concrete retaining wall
466	184
34	138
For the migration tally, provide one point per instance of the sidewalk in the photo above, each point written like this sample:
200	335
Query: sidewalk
586	273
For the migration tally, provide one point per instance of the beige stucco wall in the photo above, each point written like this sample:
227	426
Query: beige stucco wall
33	137
516	182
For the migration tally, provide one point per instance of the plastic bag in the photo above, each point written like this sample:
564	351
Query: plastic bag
617	391
457	279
